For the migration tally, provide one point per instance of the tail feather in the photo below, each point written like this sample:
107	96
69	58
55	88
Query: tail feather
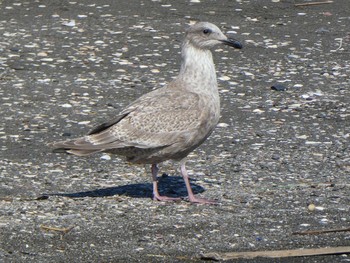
80	146
82	152
84	146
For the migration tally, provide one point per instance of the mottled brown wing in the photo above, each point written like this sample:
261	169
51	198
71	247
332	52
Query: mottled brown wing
157	119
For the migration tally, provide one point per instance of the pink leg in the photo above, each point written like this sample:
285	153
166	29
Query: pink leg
191	196
156	195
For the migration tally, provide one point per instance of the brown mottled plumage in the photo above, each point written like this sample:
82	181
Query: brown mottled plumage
170	122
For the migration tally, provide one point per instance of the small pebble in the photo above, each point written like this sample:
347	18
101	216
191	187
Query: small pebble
71	23
275	157
258	111
105	157
224	78
311	207
298	86
222	125
319	208
279	87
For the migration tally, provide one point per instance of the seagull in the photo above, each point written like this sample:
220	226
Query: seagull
167	123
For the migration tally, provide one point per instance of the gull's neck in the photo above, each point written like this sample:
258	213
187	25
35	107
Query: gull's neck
197	69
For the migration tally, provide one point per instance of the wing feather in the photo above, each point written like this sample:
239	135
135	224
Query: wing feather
157	119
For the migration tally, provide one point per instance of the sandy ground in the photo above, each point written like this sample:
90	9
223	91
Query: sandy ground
66	66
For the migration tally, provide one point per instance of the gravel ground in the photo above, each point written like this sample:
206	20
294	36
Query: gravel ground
66	66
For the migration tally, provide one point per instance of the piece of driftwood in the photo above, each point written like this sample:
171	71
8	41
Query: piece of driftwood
278	253
321	231
314	3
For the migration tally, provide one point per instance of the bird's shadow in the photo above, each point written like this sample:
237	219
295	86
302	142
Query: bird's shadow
172	186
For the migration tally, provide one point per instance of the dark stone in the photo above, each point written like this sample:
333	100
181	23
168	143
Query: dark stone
279	87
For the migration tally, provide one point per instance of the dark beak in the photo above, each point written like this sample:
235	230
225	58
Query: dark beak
232	42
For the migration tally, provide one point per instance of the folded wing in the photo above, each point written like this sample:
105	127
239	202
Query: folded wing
156	120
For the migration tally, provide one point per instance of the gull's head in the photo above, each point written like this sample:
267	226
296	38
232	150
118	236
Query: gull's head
204	35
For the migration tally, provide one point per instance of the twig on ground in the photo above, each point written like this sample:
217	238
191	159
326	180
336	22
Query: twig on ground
278	253
321	231
57	229
314	3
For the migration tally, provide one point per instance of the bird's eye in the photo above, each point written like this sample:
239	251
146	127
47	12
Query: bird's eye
206	31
